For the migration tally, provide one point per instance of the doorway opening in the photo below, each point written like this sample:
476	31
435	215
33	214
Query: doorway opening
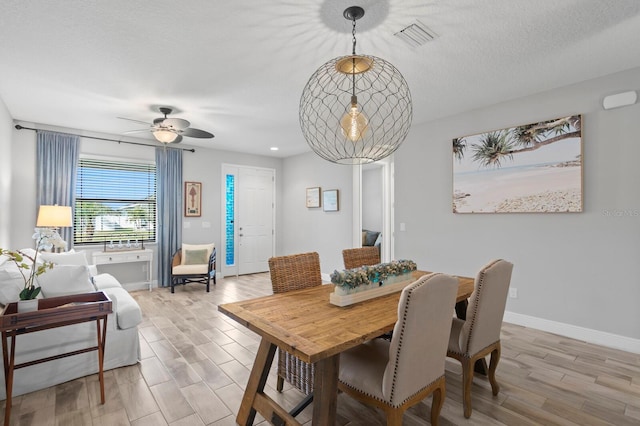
373	204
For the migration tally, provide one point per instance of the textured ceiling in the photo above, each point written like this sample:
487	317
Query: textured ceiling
237	68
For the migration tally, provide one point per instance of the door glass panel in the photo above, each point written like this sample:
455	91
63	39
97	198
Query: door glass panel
229	220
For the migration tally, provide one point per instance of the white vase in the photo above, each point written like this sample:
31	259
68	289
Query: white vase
27	305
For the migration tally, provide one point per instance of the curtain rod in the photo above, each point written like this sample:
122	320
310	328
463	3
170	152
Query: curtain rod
19	127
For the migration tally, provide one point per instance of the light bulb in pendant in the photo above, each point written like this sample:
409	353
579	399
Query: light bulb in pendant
354	123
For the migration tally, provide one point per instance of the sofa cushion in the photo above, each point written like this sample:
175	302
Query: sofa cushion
63	280
10	286
378	240
67	258
370	238
188	247
128	313
12	281
104	281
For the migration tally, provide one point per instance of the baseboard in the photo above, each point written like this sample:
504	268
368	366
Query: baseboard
139	285
575	332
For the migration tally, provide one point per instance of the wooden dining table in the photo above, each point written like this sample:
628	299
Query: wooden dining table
304	323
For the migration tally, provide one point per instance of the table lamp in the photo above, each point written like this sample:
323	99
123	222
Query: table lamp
52	218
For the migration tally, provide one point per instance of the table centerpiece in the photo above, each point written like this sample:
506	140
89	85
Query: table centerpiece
367	282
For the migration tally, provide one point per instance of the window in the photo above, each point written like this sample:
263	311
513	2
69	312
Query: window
115	203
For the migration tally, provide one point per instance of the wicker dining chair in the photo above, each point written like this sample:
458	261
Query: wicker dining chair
361	256
288	273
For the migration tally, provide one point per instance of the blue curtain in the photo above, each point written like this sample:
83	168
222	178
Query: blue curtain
169	209
57	164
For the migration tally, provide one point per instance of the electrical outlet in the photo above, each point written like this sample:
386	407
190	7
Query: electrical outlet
513	293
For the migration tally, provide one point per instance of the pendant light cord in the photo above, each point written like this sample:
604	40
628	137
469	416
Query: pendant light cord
353	33
353	63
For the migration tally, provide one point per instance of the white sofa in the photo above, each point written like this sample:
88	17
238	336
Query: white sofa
70	275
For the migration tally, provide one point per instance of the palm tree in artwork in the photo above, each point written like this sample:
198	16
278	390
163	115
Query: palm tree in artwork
537	135
459	145
496	146
493	148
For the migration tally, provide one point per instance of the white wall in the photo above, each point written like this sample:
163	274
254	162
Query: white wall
6	124
312	229
579	269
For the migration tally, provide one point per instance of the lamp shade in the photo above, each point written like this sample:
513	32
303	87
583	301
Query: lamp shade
345	132
54	217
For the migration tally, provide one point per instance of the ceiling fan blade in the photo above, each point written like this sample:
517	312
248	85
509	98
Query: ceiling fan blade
131	119
196	133
178	139
136	131
176	123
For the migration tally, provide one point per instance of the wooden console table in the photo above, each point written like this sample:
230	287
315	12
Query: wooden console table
53	312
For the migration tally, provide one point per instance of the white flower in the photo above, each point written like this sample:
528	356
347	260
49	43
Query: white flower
48	238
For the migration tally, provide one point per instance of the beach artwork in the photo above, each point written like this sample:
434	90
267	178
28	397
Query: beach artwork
532	168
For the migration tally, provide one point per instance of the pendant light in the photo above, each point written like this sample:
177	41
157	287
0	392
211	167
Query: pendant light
355	109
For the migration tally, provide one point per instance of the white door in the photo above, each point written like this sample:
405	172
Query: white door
248	220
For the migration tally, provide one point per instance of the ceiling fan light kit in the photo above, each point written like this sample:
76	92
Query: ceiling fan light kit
355	109
164	136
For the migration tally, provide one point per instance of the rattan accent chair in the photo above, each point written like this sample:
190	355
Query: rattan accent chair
199	268
361	256
479	334
288	273
395	375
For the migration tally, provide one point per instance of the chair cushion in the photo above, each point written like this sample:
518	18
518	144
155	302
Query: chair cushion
196	257
363	366
455	345
190	269
63	280
191	247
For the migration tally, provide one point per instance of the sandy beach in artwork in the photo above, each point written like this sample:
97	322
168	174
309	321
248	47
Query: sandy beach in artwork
554	188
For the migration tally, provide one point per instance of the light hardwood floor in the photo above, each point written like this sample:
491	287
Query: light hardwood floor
196	361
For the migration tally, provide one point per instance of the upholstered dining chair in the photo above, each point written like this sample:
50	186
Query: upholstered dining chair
288	273
479	334
193	263
395	375
361	256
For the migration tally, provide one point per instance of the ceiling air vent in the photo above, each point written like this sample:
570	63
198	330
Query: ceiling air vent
416	34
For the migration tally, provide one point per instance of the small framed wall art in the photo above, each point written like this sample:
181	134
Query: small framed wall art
313	197
192	199
330	200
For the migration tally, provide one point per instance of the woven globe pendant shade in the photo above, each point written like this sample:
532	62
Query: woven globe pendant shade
383	97
355	109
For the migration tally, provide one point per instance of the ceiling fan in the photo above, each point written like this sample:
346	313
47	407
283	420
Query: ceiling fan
170	130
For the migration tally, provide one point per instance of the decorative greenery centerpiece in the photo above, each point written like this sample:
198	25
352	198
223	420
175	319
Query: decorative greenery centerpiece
367	277
29	269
